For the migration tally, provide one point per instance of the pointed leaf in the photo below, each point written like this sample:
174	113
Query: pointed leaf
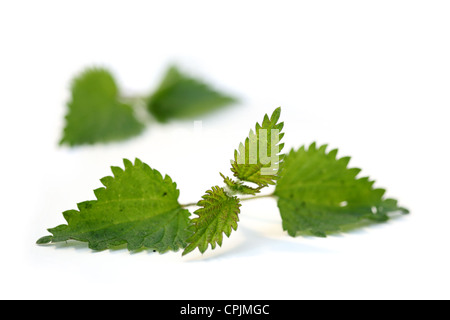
318	194
258	160
218	214
137	207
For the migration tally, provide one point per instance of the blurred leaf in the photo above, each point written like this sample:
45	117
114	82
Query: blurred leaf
95	112
180	96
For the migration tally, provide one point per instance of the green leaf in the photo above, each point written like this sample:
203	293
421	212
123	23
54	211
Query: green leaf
182	97
95	112
318	194
137	207
218	215
258	159
237	187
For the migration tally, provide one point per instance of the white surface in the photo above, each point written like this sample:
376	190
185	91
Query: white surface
368	77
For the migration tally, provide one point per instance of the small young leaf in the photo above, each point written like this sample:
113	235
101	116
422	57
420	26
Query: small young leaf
318	194
259	159
180	96
237	187
95	113
137	207
218	215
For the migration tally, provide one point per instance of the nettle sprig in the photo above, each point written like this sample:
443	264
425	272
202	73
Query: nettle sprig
317	194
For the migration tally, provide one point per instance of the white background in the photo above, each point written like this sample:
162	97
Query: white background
371	78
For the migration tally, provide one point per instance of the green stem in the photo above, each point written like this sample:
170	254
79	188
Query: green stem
271	195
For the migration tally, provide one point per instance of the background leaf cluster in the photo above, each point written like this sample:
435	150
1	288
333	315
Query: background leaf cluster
99	112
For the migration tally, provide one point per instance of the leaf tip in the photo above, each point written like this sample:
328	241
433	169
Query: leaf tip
276	114
127	164
44	240
117	171
187	250
404	210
